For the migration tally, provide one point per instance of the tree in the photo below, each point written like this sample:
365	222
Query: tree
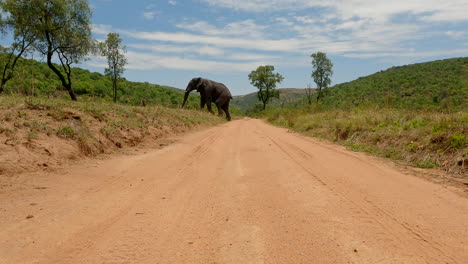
2	21
113	49
20	22
63	29
309	92
322	71
265	80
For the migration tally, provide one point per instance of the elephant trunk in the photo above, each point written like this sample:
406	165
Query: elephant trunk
185	98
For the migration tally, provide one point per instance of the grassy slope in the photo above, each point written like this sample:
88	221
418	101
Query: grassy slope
35	78
287	97
45	133
420	138
441	84
416	113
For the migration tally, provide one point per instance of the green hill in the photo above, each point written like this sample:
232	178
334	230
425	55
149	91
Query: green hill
35	78
288	96
441	84
417	114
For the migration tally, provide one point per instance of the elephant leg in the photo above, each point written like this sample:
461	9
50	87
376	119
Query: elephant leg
208	105
220	103
220	112
202	103
226	110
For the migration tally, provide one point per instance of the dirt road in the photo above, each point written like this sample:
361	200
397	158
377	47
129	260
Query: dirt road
243	192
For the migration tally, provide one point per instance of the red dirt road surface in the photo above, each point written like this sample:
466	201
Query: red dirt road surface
242	192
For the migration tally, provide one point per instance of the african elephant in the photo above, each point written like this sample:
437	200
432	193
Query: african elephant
210	91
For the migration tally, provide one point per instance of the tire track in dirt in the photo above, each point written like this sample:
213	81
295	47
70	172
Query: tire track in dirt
242	192
129	248
368	210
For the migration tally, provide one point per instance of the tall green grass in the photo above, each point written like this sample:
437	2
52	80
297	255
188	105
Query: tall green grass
424	139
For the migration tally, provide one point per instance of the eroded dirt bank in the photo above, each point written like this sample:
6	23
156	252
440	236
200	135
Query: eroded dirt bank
242	192
47	134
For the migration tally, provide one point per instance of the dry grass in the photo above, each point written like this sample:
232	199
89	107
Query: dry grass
423	139
32	129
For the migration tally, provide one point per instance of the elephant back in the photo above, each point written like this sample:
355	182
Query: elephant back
225	91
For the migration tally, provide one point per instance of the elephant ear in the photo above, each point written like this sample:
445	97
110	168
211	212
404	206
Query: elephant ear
200	83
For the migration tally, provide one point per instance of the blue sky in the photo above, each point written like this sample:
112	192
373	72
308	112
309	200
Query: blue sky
171	41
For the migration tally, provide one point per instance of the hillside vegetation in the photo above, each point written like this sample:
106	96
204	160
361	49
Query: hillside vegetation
35	78
420	138
441	84
288	97
41	133
417	114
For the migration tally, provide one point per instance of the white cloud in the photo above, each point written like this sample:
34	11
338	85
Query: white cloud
172	2
144	61
352	24
455	34
96	63
201	50
305	39
351	28
201	27
101	29
186	51
337	26
305	19
429	10
149	15
263	5
284	21
268	59
246	28
292	45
